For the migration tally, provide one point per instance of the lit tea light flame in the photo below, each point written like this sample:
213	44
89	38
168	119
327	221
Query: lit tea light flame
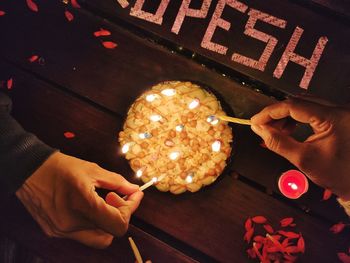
145	135
213	120
216	146
126	148
174	155
151	97
155	117
139	173
168	92
179	128
194	104
189	178
293	186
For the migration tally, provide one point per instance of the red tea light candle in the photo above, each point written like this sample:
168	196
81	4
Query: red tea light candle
293	184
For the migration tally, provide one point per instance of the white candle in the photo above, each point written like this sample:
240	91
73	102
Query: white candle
216	146
174	155
126	148
193	104
155	117
151	97
168	92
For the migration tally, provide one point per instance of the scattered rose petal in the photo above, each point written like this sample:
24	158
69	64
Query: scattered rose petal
337	228
292	249
259	219
69	135
286	221
276	242
326	194
301	244
251	253
32	6
75	3
102	32
269	229
33	58
248	224
2	13
9	83
259	239
69	15
288	234
109	44
343	257
248	235
290	258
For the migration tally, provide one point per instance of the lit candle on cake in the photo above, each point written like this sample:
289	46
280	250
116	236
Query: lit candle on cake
126	148
168	92
194	104
216	146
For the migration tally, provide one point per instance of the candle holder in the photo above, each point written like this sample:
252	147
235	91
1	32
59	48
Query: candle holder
293	184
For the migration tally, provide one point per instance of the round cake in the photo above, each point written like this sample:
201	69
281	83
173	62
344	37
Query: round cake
171	131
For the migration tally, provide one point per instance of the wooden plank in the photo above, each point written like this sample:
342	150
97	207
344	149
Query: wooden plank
20	227
330	78
211	220
338	6
103	76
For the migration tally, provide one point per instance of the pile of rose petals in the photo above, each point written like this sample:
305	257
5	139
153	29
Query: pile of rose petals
280	245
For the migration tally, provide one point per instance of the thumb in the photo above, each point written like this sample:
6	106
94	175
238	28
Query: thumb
280	143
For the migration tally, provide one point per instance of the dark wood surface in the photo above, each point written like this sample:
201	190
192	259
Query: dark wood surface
84	88
330	78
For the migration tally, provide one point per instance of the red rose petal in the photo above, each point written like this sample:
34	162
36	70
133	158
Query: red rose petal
2	13
69	135
326	194
259	239
69	15
301	244
75	3
32	6
343	257
263	145
248	224
248	235
288	234
9	83
33	58
109	44
102	32
251	253
259	219
337	228
269	229
286	221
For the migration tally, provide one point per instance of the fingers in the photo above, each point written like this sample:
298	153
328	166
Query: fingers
113	181
303	111
95	238
280	143
127	206
113	216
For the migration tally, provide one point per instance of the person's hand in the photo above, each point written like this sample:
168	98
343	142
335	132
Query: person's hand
61	197
325	155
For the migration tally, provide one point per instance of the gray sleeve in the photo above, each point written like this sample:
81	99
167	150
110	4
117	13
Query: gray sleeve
21	152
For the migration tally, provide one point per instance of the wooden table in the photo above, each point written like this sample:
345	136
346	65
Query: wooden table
78	85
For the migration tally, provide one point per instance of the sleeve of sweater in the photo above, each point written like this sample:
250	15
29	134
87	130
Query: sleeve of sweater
21	152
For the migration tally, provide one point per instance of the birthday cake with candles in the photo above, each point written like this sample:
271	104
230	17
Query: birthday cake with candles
170	131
